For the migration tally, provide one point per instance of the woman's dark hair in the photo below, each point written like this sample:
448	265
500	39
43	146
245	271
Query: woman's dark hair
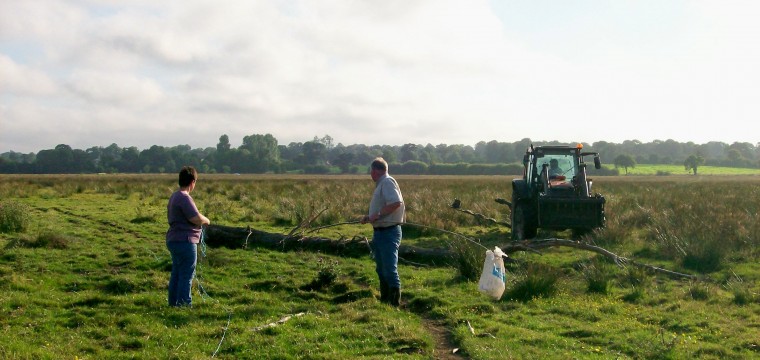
187	175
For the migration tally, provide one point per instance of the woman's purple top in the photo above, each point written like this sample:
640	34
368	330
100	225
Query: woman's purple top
180	210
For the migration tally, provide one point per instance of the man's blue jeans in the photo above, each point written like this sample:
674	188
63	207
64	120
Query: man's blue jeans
184	256
385	245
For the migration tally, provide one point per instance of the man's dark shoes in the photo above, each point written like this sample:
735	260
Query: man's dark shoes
385	292
395	296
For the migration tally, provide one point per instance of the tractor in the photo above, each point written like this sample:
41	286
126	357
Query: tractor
555	193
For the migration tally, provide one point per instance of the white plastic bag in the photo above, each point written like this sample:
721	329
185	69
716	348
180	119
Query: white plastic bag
494	275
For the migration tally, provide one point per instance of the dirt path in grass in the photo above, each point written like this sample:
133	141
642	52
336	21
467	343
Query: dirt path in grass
444	346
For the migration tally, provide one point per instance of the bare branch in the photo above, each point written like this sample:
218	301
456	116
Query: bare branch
278	322
535	245
456	206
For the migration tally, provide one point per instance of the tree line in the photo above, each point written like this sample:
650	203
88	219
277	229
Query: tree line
262	154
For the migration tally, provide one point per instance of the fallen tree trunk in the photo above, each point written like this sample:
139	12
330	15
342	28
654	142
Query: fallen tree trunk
241	238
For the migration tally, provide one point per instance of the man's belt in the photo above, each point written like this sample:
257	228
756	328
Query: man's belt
383	228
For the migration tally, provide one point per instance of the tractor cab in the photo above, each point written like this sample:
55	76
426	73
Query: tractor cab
558	169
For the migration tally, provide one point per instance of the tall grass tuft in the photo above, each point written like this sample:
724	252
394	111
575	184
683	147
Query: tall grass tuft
468	258
597	275
53	240
704	257
635	296
14	216
741	291
700	291
538	281
635	276
46	239
119	286
144	214
329	271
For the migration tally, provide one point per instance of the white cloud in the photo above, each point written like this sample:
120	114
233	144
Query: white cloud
392	72
20	80
107	89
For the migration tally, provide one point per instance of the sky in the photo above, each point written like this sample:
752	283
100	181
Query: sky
184	72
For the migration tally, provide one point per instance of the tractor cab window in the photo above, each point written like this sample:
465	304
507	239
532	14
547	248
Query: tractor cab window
561	167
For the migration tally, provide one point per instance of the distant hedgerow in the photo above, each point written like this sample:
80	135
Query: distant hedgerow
14	216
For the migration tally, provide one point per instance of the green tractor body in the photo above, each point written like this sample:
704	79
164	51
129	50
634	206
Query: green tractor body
555	193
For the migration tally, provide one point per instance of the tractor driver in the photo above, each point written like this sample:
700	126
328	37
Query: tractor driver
554	170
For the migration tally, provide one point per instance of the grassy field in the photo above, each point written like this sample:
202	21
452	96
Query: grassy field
83	272
648	169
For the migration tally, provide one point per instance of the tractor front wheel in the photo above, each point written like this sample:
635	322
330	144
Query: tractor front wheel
522	225
518	222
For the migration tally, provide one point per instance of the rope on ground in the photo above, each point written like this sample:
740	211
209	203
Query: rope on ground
205	295
465	237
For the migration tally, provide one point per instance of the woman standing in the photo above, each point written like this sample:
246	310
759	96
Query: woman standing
185	226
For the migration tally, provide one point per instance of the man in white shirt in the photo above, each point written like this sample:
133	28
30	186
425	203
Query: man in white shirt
386	214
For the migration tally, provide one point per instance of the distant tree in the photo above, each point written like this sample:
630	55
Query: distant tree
157	159
221	158
55	161
389	154
363	154
521	146
467	153
182	155
291	152
224	144
497	152
343	161
259	153
481	152
693	162
314	153
625	161
735	157
408	152
713	149
747	150
130	160
110	158
428	154
326	140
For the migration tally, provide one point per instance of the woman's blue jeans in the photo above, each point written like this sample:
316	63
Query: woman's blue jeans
385	245
184	256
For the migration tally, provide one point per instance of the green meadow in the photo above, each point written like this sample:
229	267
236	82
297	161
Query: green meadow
84	268
649	169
